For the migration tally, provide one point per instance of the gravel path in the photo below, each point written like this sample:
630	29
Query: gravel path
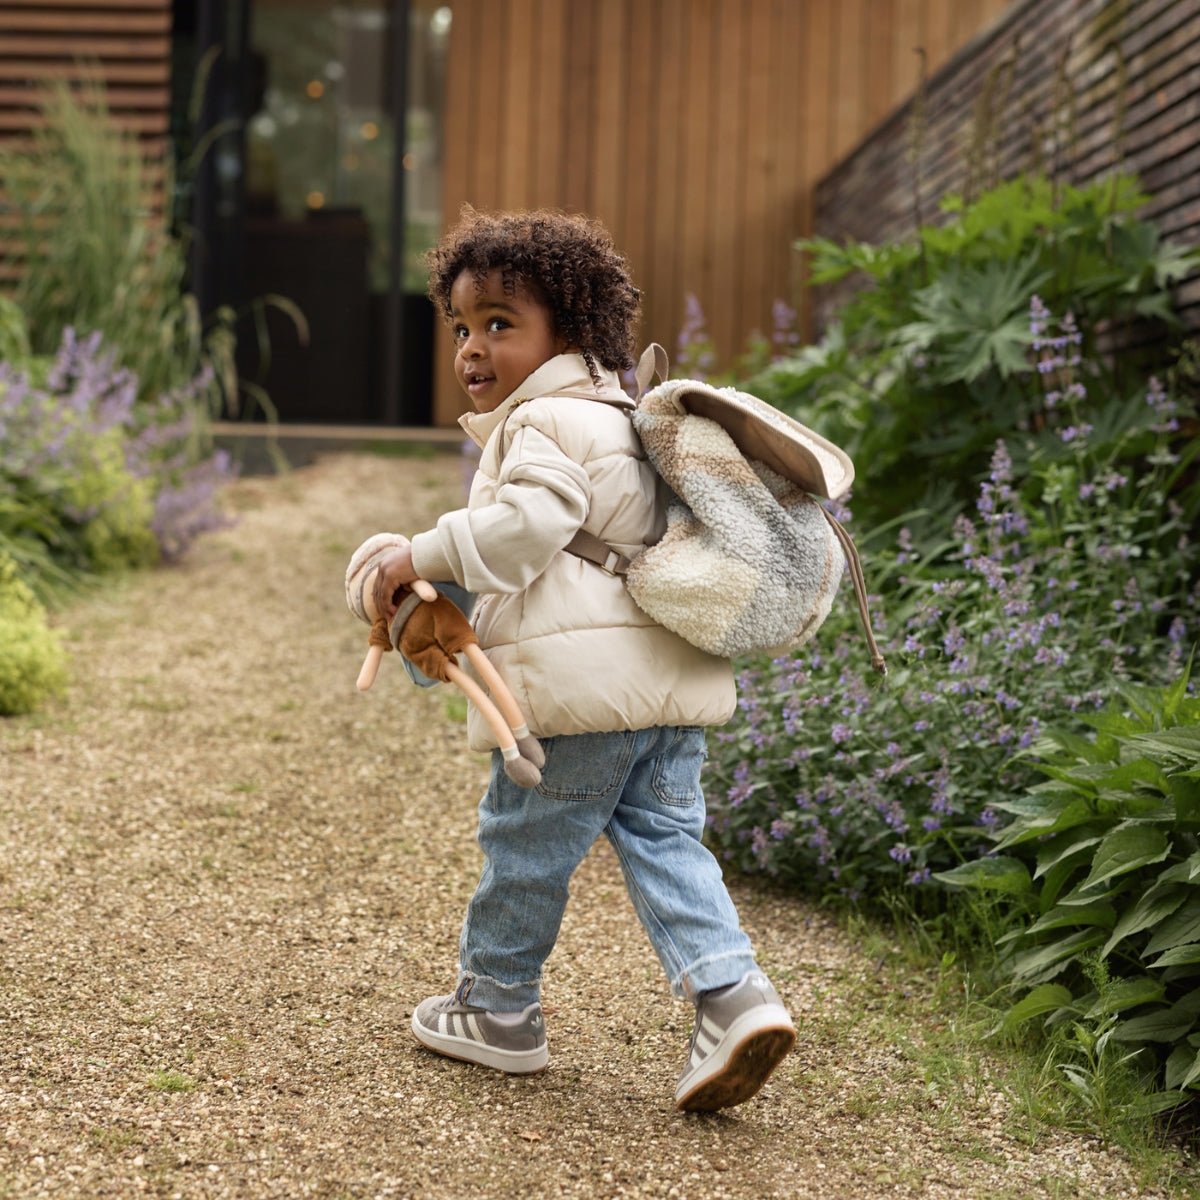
226	878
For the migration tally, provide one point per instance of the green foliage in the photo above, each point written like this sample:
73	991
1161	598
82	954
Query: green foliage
108	378
14	334
119	507
95	256
933	359
74	498
171	1081
31	655
1101	861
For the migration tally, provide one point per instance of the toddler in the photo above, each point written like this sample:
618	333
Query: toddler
542	311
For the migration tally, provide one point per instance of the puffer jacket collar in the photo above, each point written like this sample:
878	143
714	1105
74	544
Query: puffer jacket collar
563	375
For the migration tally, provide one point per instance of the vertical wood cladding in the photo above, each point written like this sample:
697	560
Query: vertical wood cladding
694	129
1077	87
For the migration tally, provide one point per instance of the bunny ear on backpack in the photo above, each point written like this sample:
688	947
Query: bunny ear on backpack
760	431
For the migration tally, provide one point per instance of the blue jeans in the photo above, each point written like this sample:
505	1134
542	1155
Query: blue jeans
641	789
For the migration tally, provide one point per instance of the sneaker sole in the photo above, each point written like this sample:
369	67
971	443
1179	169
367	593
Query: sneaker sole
511	1062
735	1075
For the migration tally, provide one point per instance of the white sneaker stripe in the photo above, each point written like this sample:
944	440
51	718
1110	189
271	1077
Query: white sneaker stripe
441	1022
711	1029
473	1030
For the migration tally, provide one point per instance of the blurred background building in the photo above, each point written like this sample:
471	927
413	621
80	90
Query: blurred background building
319	147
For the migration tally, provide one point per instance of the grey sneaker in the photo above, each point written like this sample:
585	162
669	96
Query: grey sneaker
510	1042
742	1034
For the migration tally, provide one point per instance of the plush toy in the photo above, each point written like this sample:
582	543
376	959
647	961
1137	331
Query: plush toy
430	631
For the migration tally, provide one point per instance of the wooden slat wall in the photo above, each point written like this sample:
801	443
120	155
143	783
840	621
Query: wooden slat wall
1133	70
126	44
694	129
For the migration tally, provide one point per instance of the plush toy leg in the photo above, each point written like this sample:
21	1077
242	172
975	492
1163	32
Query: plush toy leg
520	770
370	667
526	742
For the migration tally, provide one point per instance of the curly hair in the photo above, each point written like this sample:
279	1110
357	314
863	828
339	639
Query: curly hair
567	262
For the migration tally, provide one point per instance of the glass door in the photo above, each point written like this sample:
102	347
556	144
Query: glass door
342	169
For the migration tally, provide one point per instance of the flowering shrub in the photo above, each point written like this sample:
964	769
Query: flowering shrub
1076	575
104	262
31	655
92	481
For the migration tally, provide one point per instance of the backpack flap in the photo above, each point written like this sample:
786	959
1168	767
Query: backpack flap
760	431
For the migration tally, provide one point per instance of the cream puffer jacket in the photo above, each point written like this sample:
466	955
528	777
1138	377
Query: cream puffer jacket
558	455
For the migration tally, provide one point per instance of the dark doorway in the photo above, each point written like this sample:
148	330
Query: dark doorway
315	191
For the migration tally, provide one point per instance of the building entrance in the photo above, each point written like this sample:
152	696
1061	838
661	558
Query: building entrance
318	196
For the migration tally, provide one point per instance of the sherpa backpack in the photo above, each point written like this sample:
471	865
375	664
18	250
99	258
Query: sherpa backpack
751	560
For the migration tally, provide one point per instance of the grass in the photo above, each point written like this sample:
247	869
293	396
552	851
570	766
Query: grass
113	1139
938	1016
172	1081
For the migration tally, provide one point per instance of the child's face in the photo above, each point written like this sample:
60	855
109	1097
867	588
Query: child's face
500	340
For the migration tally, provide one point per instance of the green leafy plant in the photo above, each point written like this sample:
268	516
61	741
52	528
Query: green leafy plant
1101	861
1073	573
94	253
928	362
31	654
90	480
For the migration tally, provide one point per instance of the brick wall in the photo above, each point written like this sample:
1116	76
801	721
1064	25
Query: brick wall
1077	87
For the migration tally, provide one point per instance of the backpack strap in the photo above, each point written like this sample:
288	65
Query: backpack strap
854	565
588	546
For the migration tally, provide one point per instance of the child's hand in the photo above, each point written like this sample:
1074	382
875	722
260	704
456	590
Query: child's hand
395	571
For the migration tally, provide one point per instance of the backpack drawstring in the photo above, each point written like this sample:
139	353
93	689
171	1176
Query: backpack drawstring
860	587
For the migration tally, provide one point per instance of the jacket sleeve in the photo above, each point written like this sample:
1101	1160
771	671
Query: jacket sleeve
542	499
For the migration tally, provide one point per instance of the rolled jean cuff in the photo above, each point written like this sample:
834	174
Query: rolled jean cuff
712	971
482	991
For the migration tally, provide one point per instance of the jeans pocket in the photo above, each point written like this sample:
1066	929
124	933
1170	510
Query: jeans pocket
676	777
585	766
